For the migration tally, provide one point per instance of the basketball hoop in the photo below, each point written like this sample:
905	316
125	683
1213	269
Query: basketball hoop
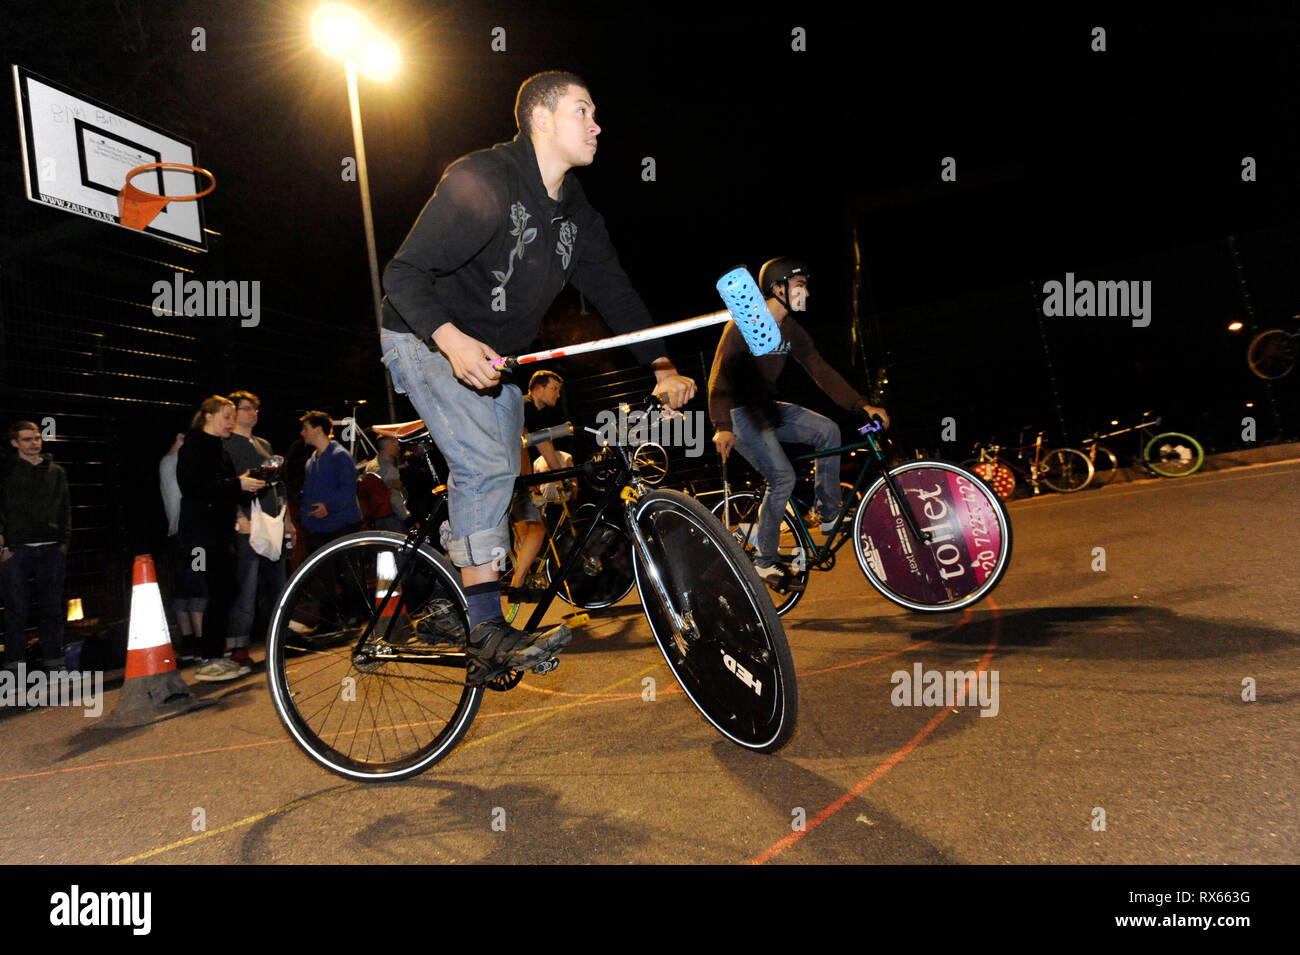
137	208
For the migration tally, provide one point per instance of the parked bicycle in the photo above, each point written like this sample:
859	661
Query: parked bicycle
1272	354
928	535
1168	454
1064	470
366	654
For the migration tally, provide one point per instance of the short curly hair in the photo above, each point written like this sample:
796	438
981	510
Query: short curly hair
542	89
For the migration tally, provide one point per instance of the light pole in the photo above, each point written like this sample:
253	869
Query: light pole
347	35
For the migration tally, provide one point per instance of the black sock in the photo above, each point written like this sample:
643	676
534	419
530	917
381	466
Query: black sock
484	602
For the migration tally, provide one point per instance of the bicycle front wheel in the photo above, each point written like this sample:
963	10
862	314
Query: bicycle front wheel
721	637
1104	465
965	558
1173	455
391	705
1065	470
603	575
741	514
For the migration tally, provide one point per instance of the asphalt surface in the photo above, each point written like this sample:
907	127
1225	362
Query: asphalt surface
1120	691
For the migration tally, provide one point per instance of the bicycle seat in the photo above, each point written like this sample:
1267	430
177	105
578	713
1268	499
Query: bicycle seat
405	432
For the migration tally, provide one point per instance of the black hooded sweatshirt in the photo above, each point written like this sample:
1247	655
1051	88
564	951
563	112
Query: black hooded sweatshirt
35	506
491	251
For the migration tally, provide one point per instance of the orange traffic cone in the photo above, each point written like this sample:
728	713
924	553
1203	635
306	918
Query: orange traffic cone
386	573
153	689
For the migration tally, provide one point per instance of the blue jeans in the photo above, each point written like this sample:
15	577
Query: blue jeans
760	440
476	431
253	574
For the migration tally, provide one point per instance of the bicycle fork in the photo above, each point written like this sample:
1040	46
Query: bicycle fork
683	625
923	537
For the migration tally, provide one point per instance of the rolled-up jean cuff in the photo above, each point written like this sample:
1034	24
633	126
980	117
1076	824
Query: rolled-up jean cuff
481	547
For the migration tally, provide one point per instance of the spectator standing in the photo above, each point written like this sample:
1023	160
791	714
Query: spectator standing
381	491
189	594
210	495
35	530
255	575
329	491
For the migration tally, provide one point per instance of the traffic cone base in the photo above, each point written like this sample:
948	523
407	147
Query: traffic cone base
153	689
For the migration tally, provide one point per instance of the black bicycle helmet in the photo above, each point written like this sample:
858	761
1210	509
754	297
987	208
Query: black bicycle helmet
780	270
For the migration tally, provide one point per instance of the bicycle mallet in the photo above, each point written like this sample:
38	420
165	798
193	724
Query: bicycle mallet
745	305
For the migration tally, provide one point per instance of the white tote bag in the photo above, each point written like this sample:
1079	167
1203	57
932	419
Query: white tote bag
267	534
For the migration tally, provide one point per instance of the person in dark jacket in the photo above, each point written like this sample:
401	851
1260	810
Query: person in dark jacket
210	494
329	490
505	230
35	530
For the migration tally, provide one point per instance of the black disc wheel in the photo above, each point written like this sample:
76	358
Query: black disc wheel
712	618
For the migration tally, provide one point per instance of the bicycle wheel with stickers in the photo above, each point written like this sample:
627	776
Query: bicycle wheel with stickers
792	549
1173	455
997	476
722	638
603	575
384	706
970	547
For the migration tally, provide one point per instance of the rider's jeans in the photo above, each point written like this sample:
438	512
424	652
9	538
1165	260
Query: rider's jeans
476	431
760	442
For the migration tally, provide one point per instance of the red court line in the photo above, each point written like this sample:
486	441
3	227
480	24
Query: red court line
868	781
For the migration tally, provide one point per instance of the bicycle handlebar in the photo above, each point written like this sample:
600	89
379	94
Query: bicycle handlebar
552	433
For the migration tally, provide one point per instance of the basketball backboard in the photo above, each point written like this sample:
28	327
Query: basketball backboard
77	152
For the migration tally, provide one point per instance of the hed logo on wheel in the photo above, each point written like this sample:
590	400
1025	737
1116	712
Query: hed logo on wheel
743	675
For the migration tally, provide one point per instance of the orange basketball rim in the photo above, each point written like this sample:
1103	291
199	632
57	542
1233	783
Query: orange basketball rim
137	208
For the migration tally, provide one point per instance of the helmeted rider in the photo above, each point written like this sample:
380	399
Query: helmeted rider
744	409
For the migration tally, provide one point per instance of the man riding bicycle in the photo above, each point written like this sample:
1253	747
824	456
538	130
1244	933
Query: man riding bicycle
744	409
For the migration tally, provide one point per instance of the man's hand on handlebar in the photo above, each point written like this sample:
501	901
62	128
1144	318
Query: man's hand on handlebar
675	389
724	441
471	360
872	410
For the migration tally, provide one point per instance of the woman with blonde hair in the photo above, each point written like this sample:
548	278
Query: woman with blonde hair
210	492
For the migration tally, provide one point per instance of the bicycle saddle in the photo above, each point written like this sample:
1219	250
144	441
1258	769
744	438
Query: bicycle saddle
405	432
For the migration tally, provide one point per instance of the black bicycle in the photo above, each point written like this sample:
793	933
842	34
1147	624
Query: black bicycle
366	654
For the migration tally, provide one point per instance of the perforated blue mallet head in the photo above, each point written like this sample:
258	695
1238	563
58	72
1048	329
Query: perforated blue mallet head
741	294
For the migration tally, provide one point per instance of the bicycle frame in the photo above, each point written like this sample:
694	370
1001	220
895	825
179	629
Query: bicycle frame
820	557
622	481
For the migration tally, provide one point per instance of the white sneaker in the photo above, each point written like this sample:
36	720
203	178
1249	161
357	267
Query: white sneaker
771	575
217	671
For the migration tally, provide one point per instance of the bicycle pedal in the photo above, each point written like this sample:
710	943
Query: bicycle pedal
546	666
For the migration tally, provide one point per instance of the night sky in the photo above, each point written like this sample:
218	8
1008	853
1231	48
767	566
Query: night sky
1121	165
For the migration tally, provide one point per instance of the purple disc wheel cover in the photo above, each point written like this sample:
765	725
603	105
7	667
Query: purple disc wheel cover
968	550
